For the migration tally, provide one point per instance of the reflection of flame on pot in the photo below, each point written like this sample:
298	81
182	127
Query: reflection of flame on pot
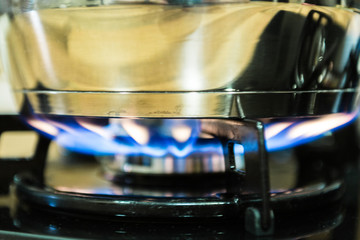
170	137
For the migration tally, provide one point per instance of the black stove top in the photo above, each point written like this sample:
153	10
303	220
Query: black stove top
314	194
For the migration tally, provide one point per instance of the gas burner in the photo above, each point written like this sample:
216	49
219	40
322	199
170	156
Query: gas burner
239	193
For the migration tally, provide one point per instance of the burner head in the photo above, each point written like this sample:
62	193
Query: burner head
198	169
142	164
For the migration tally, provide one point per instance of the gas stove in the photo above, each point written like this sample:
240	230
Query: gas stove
56	193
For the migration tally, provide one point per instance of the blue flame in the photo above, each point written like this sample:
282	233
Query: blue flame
156	138
175	137
286	134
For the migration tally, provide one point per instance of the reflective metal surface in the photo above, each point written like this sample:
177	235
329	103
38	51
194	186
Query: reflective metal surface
256	59
196	163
